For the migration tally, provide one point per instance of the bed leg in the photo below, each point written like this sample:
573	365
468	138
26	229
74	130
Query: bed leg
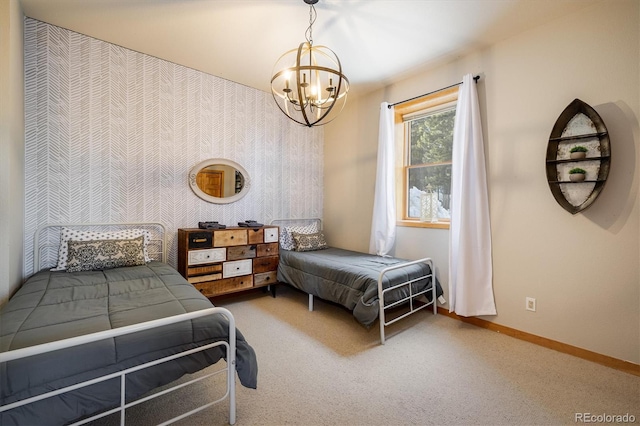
311	302
381	319
433	295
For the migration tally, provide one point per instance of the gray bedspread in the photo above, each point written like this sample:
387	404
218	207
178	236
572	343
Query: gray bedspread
57	305
350	278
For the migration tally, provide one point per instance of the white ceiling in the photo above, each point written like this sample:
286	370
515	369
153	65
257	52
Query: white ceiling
240	40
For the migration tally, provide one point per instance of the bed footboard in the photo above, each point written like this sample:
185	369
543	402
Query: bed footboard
230	368
413	307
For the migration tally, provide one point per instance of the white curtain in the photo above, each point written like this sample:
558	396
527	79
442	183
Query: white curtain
470	269
383	225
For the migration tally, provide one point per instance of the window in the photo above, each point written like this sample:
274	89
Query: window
426	126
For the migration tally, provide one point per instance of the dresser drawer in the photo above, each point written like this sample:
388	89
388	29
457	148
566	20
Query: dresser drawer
204	269
270	249
241	252
236	268
255	235
265	264
199	240
197	257
270	235
265	278
204	278
231	237
224	286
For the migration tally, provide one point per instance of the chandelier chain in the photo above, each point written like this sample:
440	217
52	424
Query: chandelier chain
312	19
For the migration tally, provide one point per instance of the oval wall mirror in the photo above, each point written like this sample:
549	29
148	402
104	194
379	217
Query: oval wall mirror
219	181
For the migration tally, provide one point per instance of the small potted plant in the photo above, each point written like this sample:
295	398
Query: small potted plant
577	174
578	152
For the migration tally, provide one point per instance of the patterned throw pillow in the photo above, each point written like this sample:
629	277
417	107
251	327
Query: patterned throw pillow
98	255
68	234
286	240
309	242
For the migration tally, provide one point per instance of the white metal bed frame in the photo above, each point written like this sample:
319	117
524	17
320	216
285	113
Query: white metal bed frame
413	307
229	346
160	240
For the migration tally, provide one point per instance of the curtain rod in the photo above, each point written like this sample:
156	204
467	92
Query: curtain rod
475	78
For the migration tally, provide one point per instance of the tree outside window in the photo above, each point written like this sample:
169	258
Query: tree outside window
430	142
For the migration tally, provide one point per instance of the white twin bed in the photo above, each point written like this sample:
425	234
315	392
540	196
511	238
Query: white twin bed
78	346
370	286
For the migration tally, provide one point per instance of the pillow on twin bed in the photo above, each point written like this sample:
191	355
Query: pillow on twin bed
97	255
309	242
286	239
68	234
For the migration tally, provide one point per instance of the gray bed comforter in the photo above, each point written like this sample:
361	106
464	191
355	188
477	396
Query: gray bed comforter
57	305
350	278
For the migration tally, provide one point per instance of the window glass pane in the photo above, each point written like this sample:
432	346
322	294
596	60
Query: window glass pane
431	137
439	177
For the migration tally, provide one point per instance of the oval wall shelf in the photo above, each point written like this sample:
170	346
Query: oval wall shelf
578	125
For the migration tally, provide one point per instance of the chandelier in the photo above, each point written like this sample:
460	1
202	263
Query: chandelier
308	84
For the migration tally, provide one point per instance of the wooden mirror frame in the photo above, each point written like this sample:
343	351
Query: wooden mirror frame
210	198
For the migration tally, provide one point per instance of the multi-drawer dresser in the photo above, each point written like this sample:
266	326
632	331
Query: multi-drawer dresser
223	261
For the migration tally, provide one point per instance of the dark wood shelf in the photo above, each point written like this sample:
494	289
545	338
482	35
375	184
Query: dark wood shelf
578	137
574	109
584	181
576	160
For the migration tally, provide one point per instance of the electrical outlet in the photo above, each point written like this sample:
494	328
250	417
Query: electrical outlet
530	304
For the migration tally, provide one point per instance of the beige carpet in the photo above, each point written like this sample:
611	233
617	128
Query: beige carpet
323	368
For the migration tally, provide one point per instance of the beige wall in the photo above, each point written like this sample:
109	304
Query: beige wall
11	147
583	269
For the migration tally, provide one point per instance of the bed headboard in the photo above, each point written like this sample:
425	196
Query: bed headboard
47	239
297	222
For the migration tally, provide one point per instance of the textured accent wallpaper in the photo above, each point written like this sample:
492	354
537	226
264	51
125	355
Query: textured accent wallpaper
111	135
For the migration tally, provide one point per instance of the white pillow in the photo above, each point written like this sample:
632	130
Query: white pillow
67	234
286	239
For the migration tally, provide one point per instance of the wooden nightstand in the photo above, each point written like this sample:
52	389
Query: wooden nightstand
223	261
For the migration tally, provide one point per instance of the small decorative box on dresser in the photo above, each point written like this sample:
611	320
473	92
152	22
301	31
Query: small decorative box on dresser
222	261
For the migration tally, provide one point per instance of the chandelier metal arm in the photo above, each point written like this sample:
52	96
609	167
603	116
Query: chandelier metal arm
299	85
